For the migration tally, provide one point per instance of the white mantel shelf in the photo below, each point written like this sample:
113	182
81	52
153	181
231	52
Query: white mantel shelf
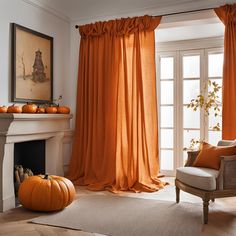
17	127
17	123
34	116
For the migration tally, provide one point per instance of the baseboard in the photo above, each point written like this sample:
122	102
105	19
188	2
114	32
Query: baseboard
7	204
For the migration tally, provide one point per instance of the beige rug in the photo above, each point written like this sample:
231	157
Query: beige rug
125	216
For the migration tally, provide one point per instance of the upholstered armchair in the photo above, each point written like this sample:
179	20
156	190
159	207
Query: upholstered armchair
205	182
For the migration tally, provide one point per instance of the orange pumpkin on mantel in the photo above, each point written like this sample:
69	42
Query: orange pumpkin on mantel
3	109
29	108
63	110
40	110
46	193
51	110
14	109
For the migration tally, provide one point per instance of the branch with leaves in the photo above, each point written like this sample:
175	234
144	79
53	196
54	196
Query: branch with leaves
211	101
194	144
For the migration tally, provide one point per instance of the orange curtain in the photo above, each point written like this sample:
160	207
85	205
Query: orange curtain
116	140
227	15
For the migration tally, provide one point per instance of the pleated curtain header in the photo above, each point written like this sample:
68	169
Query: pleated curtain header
227	13
119	27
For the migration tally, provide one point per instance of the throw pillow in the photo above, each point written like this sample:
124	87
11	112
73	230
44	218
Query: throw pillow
209	156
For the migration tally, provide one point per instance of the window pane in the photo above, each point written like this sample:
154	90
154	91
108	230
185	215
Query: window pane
190	134
191	66
219	94
167	116
213	120
166	138
215	65
166	92
167	160
214	137
191	90
167	67
191	118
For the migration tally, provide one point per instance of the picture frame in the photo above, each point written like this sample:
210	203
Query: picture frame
32	66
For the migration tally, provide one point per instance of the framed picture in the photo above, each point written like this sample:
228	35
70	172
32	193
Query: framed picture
32	66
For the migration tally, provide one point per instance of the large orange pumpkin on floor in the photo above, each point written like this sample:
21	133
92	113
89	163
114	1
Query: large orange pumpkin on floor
46	193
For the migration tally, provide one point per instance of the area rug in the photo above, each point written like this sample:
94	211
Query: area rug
126	216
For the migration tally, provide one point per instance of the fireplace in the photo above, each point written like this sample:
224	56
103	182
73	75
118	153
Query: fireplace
49	132
31	155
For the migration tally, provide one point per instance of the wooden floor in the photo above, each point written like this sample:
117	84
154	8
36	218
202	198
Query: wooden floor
222	219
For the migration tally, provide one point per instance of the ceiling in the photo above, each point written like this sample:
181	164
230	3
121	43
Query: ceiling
77	10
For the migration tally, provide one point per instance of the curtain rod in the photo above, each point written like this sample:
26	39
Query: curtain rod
176	13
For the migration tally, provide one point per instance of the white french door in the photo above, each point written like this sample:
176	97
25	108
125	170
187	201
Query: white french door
182	76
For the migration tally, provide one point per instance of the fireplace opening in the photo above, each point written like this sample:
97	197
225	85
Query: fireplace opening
29	159
30	155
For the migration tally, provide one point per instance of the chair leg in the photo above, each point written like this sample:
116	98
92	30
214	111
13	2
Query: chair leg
177	191
205	210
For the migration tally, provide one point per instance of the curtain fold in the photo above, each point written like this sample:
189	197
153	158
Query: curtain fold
227	15
116	135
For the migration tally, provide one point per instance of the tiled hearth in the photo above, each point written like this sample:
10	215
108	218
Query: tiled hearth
15	128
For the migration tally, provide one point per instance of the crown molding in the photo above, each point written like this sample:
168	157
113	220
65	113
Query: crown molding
48	9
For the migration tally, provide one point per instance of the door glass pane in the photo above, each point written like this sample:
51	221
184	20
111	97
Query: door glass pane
191	118
166	92
167	68
190	134
191	66
167	160
166	138
191	90
213	120
167	116
214	137
215	65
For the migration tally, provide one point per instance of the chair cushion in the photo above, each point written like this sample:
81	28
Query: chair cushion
209	156
198	177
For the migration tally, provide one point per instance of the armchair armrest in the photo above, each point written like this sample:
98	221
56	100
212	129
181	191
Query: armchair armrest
191	158
227	173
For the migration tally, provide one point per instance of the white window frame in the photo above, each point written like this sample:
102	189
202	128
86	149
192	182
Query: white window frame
175	96
177	50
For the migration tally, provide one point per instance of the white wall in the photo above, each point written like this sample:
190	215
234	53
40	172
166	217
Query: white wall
25	14
71	86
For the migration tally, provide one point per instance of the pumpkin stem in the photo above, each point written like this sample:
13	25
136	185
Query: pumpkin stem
46	176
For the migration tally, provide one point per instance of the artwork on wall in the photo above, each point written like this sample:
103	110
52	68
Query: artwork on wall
32	66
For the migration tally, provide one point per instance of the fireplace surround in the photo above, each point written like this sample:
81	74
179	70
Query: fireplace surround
16	128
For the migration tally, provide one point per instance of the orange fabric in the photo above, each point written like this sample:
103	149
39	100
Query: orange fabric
209	155
227	14
116	141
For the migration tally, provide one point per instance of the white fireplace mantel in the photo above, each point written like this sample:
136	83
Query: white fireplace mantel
15	128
